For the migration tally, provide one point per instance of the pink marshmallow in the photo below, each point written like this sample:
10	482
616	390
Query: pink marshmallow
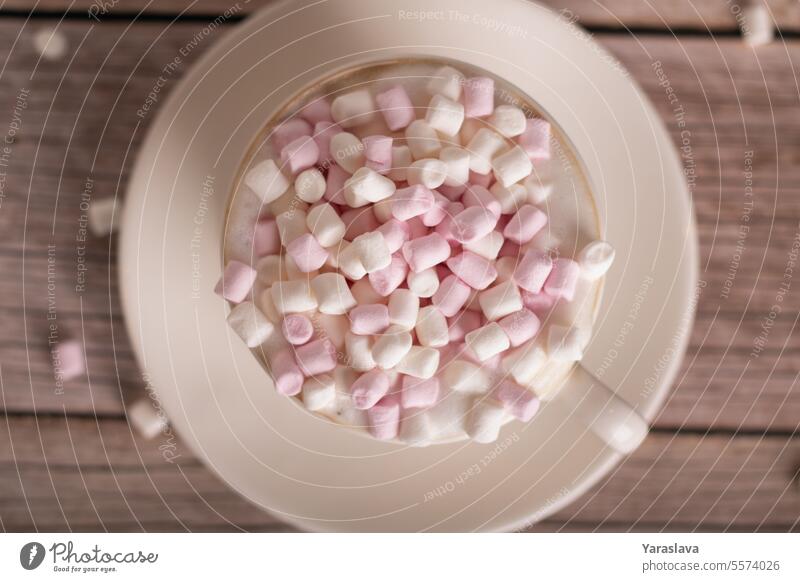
509	249
396	107
300	154
472	223
307	253
418	393
444	228
395	233
426	252
266	240
67	359
369	388
384	418
520	402
316	111
480	196
411	201
482	180
462	324
563	279
437	212
369	319
539	303
359	221
288	131
535	140
520	326
323	133
525	224
478	97
378	152
316	357
533	270
236	281
416	229
386	280
287	375
451	295
334	184
473	269
297	329
452	193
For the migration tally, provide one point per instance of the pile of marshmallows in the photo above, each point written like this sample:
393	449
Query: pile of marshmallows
414	252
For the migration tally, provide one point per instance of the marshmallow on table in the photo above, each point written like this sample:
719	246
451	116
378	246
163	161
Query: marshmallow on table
533	270
472	223
286	373
391	347
445	115
347	151
378	152
307	253
149	421
430	172
478	96
416	429
67	359
411	201
473	269
508	121
325	224
384	419
456	162
482	148
403	309
418	393
323	133
511	199
420	362
512	166
563	279
520	402
359	352
758	27
300	154
394	232
292	296
595	259
463	323
396	107
353	109
426	252
267	181
372	251
422	140
535	140
316	357
266	240
310	185
566	344
365	186
501	300
431	328
250	324
520	326
401	160
369	388
451	295
446	81
524	362
334	184
318	392
369	319
525	224
236	281
487	341
464	376
487	247
385	281
102	218
50	43
288	131
485	421
291	224
297	329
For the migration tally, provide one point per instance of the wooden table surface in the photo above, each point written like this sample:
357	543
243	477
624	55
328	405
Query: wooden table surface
723	453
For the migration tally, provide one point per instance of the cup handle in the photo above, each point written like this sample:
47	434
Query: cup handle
603	412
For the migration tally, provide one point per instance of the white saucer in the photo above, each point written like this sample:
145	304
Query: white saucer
219	399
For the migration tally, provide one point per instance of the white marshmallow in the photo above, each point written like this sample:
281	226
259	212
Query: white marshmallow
419	362
758	26
423	284
403	308
332	327
267	181
485	421
538	190
482	148
487	247
422	140
595	259
487	341
511	198
456	161
445	115
148	420
416	429
365	186
429	172
349	262
508	121
292	296
291	224
401	160
512	166
309	185
391	347
319	391
372	251
431	328
102	217
566	344
446	81
524	362
50	43
347	151
463	376
501	300
250	324
352	109
359	352
324	223
286	202
268	308
332	293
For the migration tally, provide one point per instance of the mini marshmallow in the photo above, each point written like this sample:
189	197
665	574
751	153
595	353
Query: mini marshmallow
478	96
334	184
384	419
266	240
67	359
566	344
524	362
349	263
386	280
473	269
483	198
102	218
431	328
511	199
429	172
508	121
236	281
347	151
267	181
525	224
291	225
378	152
297	329
426	252
462	324
359	221
369	388
595	259
250	324
438	211
535	140
416	429
353	109
391	347
285	372
538	302
563	279
319	392
456	162
323	134
520	326
288	131
268	308
396	107
418	393
325	224
359	352
369	319
520	402
300	154
512	166
472	223
538	189
466	377
533	270
51	43
422	140
307	253
365	293
401	160
310	185
394	232
487	341
482	148
403	308
501	300
485	421
367	185
288	202
505	267
332	327
446	81
292	296
411	201
451	295
148	420
316	357
316	111
445	115
487	247
420	362
372	251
